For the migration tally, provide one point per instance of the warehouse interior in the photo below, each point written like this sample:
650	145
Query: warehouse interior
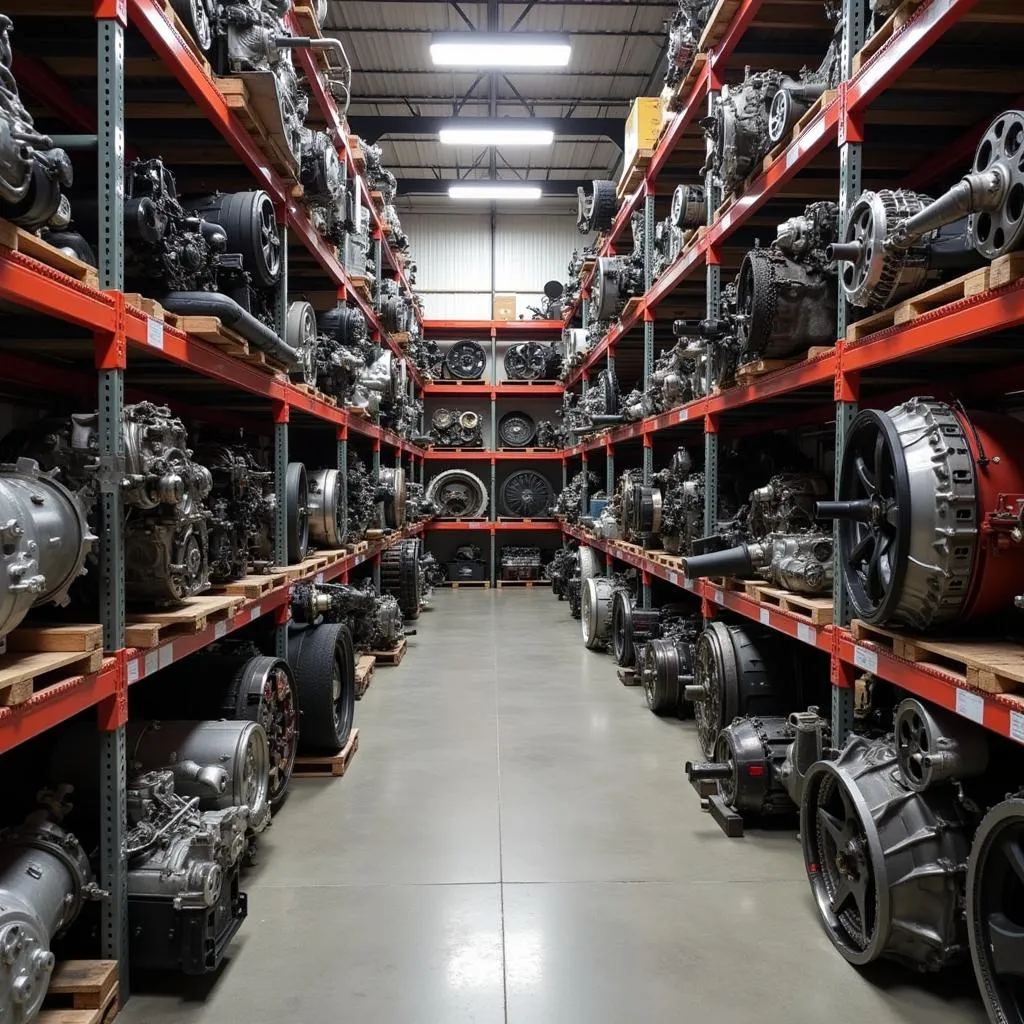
511	511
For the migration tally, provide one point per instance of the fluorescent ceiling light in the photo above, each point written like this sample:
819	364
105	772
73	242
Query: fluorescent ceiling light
508	50
496	136
494	190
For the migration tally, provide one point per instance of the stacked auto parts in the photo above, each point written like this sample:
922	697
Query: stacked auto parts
516	430
520	563
617	279
458	494
375	621
569	503
597	208
666	666
526	494
684	32
530	360
465	360
456	428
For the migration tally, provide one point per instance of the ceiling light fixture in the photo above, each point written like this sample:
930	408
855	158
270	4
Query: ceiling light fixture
494	190
496	135
500	50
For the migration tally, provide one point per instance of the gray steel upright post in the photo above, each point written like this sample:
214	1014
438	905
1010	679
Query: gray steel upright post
854	26
341	462
281	442
648	324
712	310
376	477
113	800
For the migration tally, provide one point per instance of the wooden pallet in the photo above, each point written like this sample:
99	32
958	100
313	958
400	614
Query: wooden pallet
19	240
319	395
545	382
673	562
357	410
252	97
734	583
633	176
355	145
377	198
252	586
392	657
47	654
893	24
681	92
362	285
627	676
630	308
799	128
587	269
521	519
364	674
327	59
529	584
81	992
147	629
449	383
816	610
524	451
463	519
456	584
213	332
327	766
403	338
1004	270
994	666
316	562
358	547
442	448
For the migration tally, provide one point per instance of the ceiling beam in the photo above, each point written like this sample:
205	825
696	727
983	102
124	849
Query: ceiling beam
372	128
435	187
389	30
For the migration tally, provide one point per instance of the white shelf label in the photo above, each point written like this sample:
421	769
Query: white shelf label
133	672
684	415
970	705
166	655
673	578
1017	726
765	617
688	583
808	634
319	577
726	220
718	596
152	663
255	613
219	630
865	659
154	333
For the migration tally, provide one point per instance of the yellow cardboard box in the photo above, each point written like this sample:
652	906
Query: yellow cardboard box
504	307
643	126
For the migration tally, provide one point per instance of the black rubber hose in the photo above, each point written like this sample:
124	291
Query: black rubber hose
231	315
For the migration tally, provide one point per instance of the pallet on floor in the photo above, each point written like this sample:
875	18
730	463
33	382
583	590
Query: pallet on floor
893	24
455	584
19	240
628	676
529	584
252	97
994	666
147	629
1002	271
818	611
81	992
799	128
392	657
47	654
213	332
327	766
364	673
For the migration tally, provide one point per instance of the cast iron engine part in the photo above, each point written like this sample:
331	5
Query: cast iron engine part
666	245
394	308
617	279
428	357
597	208
752	117
184	900
550	435
684	32
465	360
45	879
300	334
897	242
884	863
644	506
569	503
323	662
323	179
516	430
520	563
571	291
416	504
164	488
551	303
934	746
526	494
362	498
530	360
596	607
599	406
786	546
666	667
378	177
741	671
434	574
458	494
560	569
632	627
711	344
44	542
914	556
574	595
689	208
401	576
374	620
994	907
456	428
391	492
786	294
32	168
759	768
328	508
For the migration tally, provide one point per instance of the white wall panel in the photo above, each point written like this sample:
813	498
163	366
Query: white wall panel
445	306
452	253
530	251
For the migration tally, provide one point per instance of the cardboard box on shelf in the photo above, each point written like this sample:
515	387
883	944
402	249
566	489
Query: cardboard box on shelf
643	126
504	307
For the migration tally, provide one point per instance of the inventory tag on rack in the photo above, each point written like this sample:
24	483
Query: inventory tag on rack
154	333
865	659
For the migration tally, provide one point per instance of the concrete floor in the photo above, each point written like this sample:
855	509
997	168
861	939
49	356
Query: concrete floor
516	842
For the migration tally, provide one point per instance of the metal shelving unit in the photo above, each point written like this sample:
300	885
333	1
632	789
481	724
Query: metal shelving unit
835	145
128	341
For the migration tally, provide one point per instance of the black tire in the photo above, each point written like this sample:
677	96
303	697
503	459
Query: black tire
597	209
400	576
263	690
249	222
195	16
345	325
323	662
297	497
659	676
516	430
465	360
527	493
